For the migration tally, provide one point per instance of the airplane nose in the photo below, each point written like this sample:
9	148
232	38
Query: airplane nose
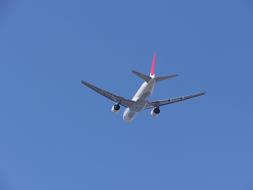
126	116
127	119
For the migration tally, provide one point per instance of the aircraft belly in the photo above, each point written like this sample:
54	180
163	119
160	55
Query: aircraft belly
129	115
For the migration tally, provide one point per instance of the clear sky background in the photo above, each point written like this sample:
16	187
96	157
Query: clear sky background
57	134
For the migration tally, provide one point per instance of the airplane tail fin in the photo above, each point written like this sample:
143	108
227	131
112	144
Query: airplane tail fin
152	73
152	70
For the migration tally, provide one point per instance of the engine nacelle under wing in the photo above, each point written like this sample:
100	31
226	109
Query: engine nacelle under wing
155	112
115	108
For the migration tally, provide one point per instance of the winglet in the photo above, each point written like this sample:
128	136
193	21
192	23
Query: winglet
152	71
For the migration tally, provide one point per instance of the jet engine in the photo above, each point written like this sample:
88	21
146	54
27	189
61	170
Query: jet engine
155	112
115	108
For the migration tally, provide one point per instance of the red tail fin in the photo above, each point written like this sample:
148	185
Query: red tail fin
152	71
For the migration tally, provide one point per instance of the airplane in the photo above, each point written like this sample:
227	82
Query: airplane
140	100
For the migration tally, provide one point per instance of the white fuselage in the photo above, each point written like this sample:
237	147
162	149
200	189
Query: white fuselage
140	99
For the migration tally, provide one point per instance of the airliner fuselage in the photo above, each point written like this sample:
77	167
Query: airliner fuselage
140	99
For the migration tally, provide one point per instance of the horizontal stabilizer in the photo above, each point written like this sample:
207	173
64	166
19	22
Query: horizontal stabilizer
158	79
142	76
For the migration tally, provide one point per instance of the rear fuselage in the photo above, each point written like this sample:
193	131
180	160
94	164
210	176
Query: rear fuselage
140	99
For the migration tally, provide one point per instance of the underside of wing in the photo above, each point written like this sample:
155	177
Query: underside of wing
159	103
117	99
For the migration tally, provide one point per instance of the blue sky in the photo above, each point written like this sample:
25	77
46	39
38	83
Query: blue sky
56	134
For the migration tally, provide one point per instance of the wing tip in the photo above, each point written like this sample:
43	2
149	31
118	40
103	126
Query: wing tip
83	82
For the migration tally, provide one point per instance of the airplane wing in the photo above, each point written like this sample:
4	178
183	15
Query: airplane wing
159	103
117	99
